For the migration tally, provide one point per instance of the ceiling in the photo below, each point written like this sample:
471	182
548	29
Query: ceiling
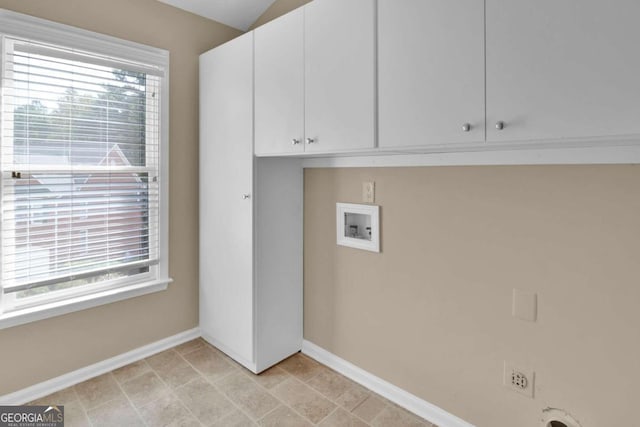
239	14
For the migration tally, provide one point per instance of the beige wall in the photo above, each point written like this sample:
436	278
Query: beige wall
279	8
79	339
432	312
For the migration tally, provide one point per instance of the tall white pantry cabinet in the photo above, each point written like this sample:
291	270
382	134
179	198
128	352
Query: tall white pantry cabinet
250	221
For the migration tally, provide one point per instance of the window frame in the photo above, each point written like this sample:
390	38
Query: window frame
14	24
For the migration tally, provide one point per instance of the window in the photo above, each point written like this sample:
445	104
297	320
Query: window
83	165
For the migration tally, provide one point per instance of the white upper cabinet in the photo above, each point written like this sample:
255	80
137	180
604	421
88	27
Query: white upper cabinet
562	69
431	72
339	40
279	85
441	73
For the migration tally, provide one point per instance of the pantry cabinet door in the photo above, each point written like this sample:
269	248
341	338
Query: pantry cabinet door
226	199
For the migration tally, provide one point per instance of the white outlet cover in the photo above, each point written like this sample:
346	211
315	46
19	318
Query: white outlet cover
509	369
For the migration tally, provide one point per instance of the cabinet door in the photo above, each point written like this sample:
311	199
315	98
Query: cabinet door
431	72
226	215
339	75
279	85
562	69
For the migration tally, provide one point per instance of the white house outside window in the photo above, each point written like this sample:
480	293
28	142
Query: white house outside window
83	158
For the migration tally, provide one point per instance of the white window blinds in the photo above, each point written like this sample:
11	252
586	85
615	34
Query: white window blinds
80	163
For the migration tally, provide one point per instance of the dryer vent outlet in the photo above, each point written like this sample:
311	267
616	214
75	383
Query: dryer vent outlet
552	417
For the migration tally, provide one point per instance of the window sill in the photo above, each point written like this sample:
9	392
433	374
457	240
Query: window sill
45	311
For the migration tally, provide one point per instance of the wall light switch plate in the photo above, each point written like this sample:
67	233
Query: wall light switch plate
525	305
368	192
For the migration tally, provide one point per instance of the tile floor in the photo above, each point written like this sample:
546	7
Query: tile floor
194	384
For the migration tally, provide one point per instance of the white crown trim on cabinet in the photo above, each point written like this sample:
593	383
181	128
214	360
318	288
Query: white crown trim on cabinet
412	403
53	385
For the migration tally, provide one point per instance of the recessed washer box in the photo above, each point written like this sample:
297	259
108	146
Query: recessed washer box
358	226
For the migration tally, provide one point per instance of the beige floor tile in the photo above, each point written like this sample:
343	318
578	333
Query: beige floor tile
115	413
212	390
220	353
393	416
145	388
249	396
61	397
98	391
269	378
330	383
176	372
164	358
353	396
186	422
342	418
210	363
235	419
190	346
370	408
131	371
301	367
74	415
283	417
164	412
303	399
204	401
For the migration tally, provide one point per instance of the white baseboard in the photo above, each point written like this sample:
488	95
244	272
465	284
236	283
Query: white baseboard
422	408
45	388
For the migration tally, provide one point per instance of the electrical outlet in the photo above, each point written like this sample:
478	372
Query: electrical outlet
519	379
368	192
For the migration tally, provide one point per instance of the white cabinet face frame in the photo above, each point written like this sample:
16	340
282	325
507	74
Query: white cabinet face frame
358	226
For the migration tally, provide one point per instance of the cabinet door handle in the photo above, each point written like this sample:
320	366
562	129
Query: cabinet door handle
246	196
311	141
466	127
500	125
295	141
